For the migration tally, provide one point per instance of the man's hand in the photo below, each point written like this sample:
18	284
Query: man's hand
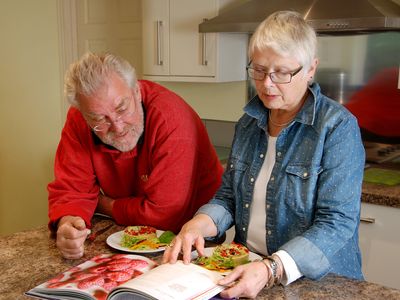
71	235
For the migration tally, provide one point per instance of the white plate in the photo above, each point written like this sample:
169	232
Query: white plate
208	252
114	241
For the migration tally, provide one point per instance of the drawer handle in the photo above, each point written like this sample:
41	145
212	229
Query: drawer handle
367	220
204	61
159	43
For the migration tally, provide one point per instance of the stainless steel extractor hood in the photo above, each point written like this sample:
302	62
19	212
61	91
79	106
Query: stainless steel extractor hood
326	16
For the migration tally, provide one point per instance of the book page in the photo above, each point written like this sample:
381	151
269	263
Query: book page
175	281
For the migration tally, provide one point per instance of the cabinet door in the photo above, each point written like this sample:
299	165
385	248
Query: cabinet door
380	244
192	53
156	40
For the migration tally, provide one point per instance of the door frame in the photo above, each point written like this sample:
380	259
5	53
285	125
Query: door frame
68	44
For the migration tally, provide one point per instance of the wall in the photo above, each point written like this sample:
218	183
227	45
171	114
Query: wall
215	101
30	110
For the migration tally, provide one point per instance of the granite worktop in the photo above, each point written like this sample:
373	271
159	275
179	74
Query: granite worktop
29	258
381	194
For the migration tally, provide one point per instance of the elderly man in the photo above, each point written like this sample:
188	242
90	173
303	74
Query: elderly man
129	149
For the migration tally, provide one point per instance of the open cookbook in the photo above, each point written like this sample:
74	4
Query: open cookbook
129	276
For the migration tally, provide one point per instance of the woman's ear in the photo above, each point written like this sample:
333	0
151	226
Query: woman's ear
313	67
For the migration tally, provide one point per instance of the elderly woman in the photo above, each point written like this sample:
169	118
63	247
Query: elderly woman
293	183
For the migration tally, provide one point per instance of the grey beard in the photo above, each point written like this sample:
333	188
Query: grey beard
134	134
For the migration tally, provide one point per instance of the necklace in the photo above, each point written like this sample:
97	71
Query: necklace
279	124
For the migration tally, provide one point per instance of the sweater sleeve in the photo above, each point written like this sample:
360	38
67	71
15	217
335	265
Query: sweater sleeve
74	190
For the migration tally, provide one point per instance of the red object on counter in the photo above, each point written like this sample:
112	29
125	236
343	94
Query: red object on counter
377	105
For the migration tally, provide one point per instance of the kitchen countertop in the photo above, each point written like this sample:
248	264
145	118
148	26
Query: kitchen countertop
29	258
381	194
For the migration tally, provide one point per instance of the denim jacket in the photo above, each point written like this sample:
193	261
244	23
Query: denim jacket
313	195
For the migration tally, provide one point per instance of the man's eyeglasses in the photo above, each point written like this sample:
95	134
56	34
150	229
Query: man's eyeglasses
121	115
276	77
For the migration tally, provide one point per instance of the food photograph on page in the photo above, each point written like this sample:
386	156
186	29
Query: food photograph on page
95	278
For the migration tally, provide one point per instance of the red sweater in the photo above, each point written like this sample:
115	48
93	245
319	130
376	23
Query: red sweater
172	171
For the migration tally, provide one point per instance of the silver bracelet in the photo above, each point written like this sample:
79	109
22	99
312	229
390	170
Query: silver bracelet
271	280
274	267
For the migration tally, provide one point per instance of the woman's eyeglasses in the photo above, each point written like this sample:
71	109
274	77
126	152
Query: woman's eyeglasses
276	77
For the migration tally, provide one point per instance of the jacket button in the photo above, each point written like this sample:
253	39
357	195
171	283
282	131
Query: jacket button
279	153
305	174
244	229
252	179
247	205
261	155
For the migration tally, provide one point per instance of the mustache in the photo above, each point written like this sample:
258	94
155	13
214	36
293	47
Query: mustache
126	130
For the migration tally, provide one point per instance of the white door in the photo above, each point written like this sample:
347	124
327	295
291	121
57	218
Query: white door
110	26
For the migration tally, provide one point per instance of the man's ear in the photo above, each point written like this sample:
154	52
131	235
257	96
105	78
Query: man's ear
137	93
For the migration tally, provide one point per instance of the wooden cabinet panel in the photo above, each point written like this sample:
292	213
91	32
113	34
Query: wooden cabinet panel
155	37
192	53
174	49
380	244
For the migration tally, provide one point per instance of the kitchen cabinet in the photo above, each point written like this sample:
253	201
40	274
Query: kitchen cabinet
380	244
174	50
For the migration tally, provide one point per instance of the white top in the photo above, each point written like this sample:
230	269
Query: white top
257	229
256	234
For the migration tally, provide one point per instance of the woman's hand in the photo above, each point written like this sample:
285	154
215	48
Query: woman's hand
191	234
245	280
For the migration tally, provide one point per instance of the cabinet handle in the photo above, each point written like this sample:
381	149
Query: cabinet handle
367	220
159	43
204	61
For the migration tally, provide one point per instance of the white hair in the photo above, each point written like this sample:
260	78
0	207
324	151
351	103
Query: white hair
85	76
289	35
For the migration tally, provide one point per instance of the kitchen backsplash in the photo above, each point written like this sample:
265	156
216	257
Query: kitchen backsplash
220	132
